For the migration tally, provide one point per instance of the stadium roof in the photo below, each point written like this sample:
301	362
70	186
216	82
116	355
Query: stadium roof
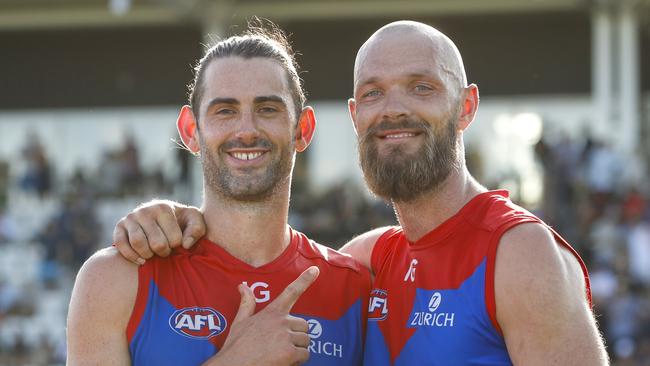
39	14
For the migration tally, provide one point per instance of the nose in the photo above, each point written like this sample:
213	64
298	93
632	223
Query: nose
247	131
394	106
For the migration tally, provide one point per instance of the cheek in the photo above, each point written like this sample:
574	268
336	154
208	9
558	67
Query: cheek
363	119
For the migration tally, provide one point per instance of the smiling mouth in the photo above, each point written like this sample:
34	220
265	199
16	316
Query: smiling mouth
246	155
399	135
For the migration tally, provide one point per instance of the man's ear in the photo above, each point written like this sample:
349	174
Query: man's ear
469	107
188	129
352	108
305	128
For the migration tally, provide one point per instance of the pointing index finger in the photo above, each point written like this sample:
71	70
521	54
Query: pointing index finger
285	301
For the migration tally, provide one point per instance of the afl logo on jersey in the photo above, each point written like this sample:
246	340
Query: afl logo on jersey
197	323
378	305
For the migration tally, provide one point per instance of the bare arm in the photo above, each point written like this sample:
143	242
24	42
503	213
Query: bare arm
360	248
101	304
541	302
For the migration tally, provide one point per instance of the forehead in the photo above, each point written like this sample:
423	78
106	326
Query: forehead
398	54
244	79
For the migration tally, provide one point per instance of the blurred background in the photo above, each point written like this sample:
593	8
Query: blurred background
90	91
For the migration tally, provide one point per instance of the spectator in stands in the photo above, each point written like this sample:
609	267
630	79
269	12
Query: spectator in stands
130	173
602	170
38	175
8	227
637	236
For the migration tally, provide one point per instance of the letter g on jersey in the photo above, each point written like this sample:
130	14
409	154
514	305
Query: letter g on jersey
260	295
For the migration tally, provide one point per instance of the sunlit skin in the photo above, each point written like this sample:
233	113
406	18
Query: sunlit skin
413	71
409	79
245	134
247	112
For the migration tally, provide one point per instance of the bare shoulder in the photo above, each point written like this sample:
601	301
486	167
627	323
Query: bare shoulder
100	307
108	282
541	302
360	247
529	255
107	270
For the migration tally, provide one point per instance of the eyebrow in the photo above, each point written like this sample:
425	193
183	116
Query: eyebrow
233	101
367	81
269	98
216	101
418	74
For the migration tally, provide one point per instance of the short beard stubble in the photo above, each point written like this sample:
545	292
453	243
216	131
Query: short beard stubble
247	186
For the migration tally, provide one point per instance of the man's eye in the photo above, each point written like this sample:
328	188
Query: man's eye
423	88
267	110
372	93
225	111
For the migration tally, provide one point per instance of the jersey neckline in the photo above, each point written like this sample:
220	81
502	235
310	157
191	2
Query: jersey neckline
449	226
215	252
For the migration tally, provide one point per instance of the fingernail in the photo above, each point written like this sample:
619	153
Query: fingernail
140	261
313	271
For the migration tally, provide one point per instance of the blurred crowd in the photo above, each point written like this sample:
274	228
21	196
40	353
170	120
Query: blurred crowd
598	200
595	198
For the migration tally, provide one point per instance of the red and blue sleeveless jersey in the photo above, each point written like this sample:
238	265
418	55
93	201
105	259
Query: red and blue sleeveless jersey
432	301
186	302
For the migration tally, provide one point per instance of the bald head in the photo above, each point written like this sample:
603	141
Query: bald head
412	39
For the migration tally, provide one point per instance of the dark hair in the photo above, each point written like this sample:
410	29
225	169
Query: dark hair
261	39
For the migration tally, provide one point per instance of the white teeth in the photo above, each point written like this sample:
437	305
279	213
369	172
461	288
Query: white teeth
400	135
246	156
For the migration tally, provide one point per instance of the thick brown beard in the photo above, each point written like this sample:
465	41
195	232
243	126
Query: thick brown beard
401	176
219	179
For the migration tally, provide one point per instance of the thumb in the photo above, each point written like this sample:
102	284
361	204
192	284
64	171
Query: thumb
191	220
246	305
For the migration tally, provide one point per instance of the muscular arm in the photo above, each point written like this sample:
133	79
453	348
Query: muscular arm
360	248
101	304
541	303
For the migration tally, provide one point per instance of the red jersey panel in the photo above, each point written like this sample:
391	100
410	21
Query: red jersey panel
186	302
433	300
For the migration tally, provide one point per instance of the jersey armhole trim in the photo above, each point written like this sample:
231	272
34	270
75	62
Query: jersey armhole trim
490	301
378	255
563	243
140	304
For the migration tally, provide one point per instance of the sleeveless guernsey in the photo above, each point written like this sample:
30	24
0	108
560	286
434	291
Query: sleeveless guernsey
432	301
186	303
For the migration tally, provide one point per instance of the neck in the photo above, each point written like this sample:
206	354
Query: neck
425	213
253	232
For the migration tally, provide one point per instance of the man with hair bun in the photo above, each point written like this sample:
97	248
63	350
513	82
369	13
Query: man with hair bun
252	291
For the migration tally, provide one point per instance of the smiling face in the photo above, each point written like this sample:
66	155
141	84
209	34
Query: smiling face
246	128
408	98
